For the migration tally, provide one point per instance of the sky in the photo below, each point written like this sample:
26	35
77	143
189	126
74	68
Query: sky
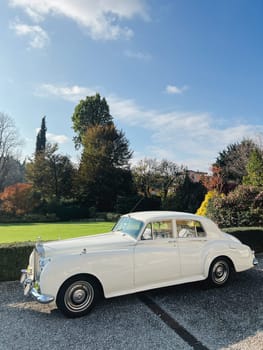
183	78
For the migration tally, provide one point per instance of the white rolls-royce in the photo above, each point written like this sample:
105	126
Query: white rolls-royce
144	250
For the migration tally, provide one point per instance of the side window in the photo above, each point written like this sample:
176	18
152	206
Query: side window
189	229
200	232
162	229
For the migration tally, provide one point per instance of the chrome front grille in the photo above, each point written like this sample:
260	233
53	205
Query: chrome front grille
36	272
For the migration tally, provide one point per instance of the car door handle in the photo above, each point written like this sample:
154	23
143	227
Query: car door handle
172	241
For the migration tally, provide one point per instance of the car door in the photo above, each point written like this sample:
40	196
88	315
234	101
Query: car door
192	242
156	256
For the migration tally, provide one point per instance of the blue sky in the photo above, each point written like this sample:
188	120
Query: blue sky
183	78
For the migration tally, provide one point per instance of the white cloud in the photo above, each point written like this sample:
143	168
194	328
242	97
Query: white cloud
172	89
102	18
59	139
38	38
53	138
189	138
142	56
69	93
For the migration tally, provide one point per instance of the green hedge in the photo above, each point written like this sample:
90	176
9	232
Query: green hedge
14	257
252	236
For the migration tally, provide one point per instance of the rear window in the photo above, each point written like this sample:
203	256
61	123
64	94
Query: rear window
190	229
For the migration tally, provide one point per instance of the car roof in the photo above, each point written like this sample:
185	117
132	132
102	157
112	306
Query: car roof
148	216
159	214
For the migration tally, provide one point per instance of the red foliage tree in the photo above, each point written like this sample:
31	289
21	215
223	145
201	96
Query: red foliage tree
17	199
214	181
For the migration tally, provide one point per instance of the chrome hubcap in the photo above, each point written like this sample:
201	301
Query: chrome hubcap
79	296
220	272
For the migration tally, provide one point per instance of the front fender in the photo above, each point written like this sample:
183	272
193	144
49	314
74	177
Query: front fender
58	270
114	270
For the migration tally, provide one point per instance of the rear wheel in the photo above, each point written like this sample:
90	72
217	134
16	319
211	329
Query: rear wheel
219	272
77	296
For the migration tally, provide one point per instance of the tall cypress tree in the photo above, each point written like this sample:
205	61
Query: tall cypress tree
41	137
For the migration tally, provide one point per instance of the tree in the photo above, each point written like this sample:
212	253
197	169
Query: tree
188	196
9	142
214	182
14	172
51	174
233	162
90	112
103	167
17	199
169	176
254	169
159	178
145	176
41	137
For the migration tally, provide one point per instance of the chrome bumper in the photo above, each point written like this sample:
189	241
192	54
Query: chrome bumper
27	283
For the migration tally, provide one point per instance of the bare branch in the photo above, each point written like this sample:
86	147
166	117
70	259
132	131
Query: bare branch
9	142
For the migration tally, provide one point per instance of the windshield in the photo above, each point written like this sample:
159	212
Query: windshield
129	225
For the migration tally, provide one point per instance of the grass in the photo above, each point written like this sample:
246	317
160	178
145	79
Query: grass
10	233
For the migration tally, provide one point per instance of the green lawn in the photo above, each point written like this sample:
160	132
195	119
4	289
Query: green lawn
10	233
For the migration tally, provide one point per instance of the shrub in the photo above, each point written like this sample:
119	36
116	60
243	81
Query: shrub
251	236
17	199
202	210
239	208
112	217
13	257
28	218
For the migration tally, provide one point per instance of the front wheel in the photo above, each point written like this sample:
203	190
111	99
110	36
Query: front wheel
77	296
219	272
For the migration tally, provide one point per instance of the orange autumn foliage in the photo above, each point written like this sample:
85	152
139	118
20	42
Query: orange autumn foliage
17	199
213	182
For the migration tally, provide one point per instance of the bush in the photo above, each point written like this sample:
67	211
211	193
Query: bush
112	217
92	212
28	218
251	236
66	210
239	208
202	210
13	258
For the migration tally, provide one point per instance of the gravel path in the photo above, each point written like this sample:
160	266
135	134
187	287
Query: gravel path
226	318
223	318
119	323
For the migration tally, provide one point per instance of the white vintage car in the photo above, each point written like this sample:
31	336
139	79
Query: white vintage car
144	250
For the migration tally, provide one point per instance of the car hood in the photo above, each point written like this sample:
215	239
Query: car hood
86	244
